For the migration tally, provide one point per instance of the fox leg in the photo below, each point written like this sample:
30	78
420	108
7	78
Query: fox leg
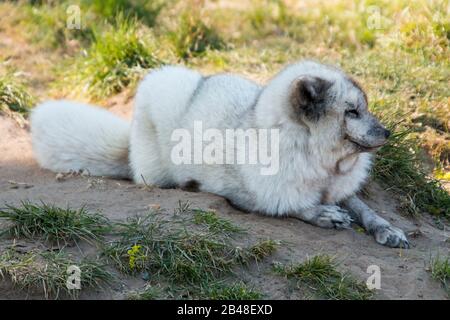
382	230
325	216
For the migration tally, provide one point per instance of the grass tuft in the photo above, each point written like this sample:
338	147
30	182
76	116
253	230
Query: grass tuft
235	291
151	244
440	271
117	58
13	96
193	37
54	224
145	10
216	290
176	251
258	251
399	167
320	274
47	25
47	22
271	18
214	223
48	272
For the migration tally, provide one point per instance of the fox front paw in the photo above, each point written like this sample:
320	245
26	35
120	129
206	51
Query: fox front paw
390	236
333	217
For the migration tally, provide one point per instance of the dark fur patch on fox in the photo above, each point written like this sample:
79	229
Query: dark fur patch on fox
357	85
191	186
309	98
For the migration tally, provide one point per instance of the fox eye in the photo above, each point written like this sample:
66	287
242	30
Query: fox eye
352	113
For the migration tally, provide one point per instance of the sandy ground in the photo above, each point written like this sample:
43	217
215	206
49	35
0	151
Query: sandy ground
404	273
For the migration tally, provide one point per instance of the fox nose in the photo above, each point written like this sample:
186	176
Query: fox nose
387	133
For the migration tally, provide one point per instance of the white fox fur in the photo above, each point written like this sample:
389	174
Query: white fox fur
72	136
321	145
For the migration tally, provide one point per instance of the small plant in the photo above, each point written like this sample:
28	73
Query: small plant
48	272
399	166
46	25
214	223
13	96
235	291
117	58
174	250
271	17
258	251
171	251
440	271
193	37
321	275
145	10
54	224
135	256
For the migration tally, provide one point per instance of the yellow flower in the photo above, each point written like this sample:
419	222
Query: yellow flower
133	255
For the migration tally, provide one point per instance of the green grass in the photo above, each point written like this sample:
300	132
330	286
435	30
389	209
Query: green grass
46	272
214	223
320	275
217	290
234	291
46	22
399	166
118	57
14	96
187	253
172	249
440	271
51	223
270	18
145	10
275	18
259	251
194	38
46	26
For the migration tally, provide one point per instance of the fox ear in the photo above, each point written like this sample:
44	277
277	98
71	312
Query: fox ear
309	96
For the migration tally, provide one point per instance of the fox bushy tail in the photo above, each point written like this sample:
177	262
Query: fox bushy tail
72	136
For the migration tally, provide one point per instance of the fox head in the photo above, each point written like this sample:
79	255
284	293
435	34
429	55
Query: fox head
340	104
329	104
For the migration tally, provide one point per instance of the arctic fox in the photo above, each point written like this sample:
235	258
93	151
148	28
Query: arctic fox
326	137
